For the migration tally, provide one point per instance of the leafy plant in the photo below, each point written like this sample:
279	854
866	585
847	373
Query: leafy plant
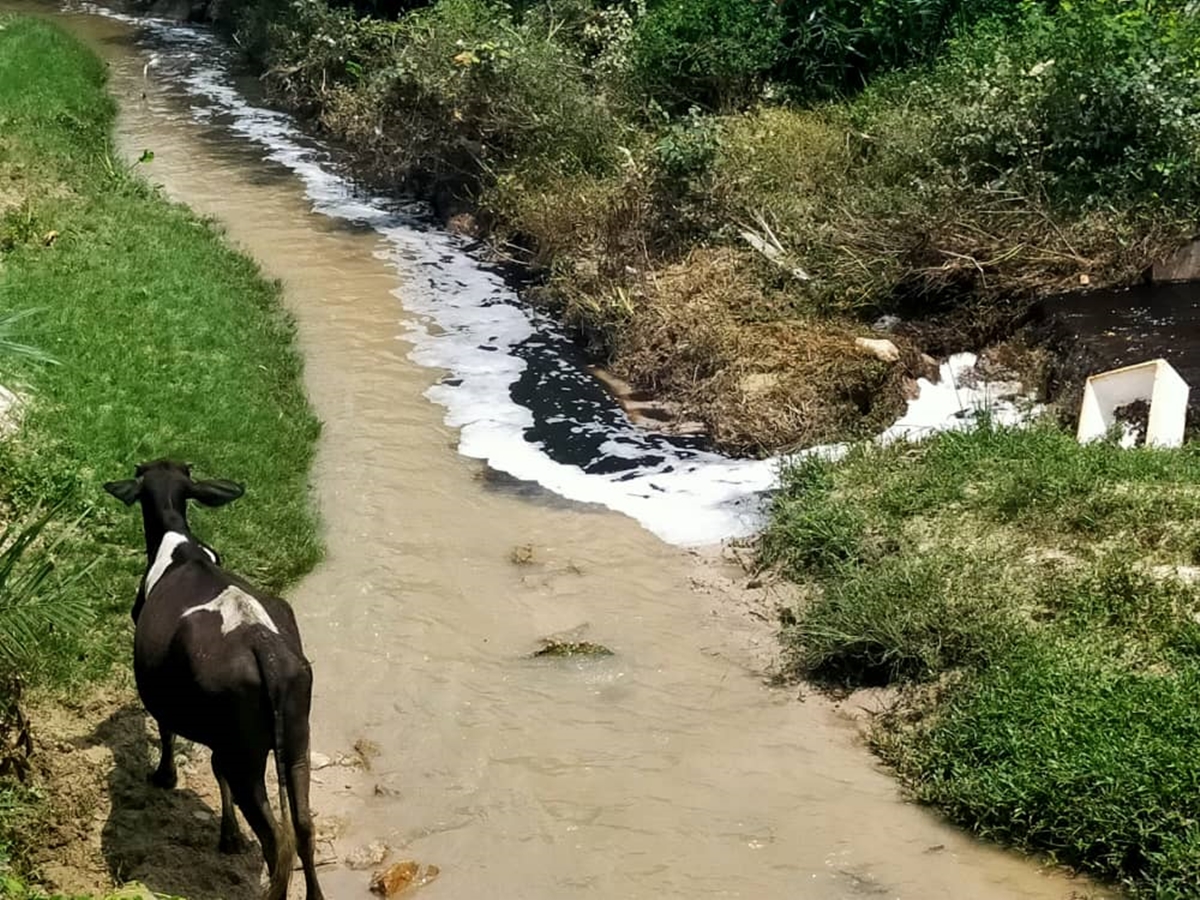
835	46
710	53
36	602
687	146
1094	104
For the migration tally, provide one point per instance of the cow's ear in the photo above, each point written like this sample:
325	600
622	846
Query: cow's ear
126	491
217	492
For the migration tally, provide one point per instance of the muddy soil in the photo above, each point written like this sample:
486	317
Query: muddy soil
109	825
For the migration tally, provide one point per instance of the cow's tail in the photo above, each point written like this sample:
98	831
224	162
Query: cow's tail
285	841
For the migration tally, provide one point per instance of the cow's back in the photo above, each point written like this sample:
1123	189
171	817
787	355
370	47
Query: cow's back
196	650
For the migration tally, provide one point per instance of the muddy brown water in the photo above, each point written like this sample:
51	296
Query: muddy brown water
669	769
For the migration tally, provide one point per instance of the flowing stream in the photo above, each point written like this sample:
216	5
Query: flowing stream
668	769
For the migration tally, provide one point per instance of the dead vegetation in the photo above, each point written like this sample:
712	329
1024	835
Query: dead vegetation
705	334
722	263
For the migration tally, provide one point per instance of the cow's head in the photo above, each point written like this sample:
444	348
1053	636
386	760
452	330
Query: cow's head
165	486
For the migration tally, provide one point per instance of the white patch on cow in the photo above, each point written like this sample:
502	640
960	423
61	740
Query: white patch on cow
236	608
211	554
164	558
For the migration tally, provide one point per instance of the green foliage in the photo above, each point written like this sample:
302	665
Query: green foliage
169	343
1094	104
456	89
711	53
811	530
37	604
686	147
908	617
10	347
721	54
1042	593
1056	752
510	87
835	46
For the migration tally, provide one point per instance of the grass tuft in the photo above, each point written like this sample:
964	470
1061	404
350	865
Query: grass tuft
1040	600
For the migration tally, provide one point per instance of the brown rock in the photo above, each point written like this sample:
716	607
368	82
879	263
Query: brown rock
402	875
881	348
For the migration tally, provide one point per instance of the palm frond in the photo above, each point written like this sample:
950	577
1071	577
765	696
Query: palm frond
10	347
37	601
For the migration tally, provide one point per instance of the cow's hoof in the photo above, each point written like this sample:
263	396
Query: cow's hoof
233	844
165	780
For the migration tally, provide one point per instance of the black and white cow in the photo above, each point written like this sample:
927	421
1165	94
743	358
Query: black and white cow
220	663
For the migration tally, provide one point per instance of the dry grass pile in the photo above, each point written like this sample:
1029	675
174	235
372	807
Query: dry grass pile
705	334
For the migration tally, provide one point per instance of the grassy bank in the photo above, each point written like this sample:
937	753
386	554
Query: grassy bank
168	343
722	195
1037	602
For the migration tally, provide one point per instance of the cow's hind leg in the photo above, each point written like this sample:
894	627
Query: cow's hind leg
164	776
298	779
250	793
231	836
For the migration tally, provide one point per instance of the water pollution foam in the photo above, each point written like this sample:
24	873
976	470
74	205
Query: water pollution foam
515	386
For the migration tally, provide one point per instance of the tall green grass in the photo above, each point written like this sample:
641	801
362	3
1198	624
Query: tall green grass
1043	596
169	344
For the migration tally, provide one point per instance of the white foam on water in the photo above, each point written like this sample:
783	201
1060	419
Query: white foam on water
466	320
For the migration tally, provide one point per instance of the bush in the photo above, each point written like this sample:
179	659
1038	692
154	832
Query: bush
835	47
457	90
711	53
1096	104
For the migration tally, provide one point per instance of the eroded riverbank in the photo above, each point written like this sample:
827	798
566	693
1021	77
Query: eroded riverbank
668	769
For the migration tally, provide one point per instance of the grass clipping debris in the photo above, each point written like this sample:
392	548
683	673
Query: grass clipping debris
713	340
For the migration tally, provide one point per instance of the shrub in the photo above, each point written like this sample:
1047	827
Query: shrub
458	90
834	46
1096	104
503	90
710	53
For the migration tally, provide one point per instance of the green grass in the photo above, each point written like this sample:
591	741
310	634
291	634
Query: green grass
1038	597
13	888
167	343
